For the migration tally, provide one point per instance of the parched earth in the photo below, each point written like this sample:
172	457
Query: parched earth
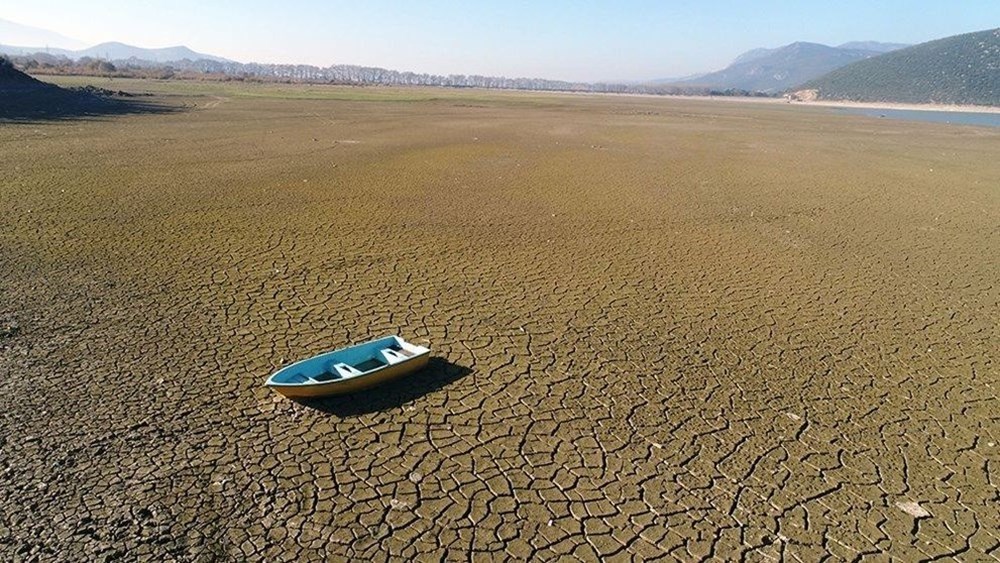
662	328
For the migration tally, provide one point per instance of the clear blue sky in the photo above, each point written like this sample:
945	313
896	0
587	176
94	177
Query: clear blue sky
564	39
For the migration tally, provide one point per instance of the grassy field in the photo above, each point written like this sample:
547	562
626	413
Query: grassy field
660	327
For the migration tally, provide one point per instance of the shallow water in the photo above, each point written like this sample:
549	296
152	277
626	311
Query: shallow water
953	117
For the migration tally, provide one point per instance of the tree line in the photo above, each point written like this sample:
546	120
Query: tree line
41	63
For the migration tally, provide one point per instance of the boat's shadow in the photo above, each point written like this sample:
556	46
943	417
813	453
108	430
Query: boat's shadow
438	373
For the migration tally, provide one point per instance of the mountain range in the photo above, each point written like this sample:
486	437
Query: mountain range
961	69
17	34
781	68
19	40
114	51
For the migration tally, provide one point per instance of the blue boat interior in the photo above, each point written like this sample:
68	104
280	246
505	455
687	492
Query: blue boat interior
347	363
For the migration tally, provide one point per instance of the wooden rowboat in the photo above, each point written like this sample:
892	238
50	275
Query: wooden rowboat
349	369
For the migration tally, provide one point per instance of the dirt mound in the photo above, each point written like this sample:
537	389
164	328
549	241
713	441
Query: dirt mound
13	80
104	92
27	98
7	71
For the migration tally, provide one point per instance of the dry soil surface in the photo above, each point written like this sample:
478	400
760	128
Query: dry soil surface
661	328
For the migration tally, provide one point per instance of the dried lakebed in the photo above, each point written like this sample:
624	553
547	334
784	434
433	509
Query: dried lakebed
661	328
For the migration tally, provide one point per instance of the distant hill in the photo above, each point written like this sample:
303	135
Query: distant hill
675	80
872	46
753	55
775	70
12	33
14	51
962	69
21	40
118	52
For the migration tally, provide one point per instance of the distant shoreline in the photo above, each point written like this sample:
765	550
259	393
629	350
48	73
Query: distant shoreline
730	99
811	103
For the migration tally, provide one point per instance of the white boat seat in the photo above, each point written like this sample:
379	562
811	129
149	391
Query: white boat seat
345	370
402	351
393	356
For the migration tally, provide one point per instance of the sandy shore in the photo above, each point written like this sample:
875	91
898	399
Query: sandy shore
819	103
910	107
841	104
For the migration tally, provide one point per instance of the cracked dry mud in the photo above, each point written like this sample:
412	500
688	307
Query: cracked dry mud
661	328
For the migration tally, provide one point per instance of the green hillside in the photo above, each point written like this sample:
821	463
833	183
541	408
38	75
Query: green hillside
963	69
